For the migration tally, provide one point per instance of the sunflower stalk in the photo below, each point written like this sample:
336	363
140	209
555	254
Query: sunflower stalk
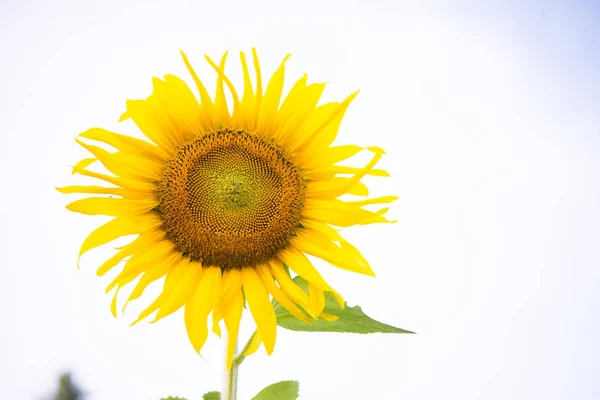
231	375
230	382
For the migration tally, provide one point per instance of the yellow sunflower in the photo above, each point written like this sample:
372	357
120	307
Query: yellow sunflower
227	206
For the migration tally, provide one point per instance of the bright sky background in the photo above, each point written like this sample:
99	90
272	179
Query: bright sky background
490	115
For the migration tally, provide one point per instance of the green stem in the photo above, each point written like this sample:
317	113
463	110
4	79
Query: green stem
231	375
240	357
230	381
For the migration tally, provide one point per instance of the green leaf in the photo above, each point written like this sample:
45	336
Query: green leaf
284	390
350	319
212	396
172	398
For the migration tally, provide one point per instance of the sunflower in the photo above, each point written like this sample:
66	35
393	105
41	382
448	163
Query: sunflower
224	205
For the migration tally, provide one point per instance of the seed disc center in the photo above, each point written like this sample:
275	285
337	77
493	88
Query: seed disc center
230	199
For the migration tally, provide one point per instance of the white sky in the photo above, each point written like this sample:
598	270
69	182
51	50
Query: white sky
489	114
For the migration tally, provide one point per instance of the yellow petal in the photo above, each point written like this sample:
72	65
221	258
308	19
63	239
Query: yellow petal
259	90
221	71
143	262
118	181
254	344
332	234
141	193
232	286
317	298
340	213
113	304
232	322
179	287
182	112
320	245
341	153
127	165
321	127
328	188
270	102
267	280
301	265
114	207
260	307
375	200
358	189
205	99
146	117
82	164
118	227
216	319
139	167
289	287
201	304
336	191
221	110
102	155
228	282
125	143
148	310
78	169
326	157
333	170
329	317
156	272
114	260
166	297
246	116
146	239
217	314
93	190
299	103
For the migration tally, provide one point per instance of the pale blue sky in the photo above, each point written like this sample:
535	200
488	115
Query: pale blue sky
489	113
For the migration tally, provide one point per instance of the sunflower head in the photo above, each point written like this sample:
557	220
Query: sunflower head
226	206
231	199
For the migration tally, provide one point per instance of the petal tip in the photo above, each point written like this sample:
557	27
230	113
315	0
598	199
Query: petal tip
124	116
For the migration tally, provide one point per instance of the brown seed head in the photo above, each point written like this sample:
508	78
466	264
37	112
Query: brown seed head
230	199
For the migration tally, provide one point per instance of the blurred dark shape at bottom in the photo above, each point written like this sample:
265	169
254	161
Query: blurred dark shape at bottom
67	390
